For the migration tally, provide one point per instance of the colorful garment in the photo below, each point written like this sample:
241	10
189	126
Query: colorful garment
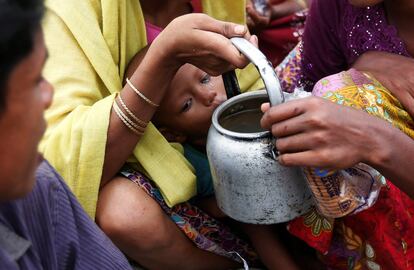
153	31
206	233
281	36
380	237
337	33
99	38
289	71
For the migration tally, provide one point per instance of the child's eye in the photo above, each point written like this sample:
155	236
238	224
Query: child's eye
206	79
187	105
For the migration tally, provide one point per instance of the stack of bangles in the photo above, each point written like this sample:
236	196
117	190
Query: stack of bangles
131	121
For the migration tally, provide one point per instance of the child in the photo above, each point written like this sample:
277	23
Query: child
184	116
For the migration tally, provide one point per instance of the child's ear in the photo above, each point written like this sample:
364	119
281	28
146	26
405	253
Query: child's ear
172	135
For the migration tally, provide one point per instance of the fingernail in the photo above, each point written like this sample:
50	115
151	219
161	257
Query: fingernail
256	40
239	29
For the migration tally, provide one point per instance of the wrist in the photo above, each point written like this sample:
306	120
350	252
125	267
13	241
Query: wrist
379	152
162	60
163	53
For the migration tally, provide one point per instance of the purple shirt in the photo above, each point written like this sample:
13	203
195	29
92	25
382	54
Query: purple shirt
336	33
48	229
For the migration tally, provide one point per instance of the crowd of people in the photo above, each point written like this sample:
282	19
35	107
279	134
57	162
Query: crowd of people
127	89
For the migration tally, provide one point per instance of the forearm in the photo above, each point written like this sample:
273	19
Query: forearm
392	155
151	78
285	8
366	61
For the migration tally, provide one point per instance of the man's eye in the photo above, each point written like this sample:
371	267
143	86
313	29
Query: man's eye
206	79
187	105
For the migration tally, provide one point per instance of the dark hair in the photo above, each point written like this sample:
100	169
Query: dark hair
19	22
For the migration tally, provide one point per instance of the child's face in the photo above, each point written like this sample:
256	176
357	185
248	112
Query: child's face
189	104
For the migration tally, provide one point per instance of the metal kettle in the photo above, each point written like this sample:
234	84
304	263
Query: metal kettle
250	185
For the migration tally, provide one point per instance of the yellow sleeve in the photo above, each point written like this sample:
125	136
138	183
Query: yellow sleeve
78	119
226	10
88	53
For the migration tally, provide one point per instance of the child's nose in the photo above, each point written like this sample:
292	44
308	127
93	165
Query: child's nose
207	96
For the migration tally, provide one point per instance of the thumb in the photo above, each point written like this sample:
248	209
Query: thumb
265	107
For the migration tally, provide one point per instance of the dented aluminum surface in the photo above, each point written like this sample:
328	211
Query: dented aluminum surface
250	185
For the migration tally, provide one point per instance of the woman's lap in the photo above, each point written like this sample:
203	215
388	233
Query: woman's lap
204	231
128	211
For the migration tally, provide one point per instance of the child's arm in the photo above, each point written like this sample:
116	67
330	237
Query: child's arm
286	8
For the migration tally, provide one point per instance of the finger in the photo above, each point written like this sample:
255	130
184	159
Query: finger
289	127
225	50
407	101
265	107
294	144
254	40
227	29
302	159
281	112
410	109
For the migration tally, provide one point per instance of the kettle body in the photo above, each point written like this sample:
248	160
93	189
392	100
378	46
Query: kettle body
250	185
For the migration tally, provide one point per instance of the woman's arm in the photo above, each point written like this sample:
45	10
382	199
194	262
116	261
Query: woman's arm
84	138
201	41
394	71
393	157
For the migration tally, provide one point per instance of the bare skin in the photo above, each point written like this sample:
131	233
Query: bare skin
257	21
386	67
171	50
185	115
156	243
26	95
308	135
124	211
314	132
402	87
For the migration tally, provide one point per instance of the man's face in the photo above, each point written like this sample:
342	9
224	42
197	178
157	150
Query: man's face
189	104
22	123
365	3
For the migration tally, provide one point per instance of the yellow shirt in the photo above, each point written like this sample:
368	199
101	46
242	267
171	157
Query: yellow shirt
90	44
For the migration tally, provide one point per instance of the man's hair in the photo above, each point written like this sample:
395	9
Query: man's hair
19	23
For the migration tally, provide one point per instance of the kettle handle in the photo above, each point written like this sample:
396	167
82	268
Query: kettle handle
265	68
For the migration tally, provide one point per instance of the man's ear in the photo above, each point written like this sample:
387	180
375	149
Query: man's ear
172	135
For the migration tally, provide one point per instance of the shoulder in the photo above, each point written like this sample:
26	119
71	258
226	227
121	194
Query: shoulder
323	40
326	15
47	176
